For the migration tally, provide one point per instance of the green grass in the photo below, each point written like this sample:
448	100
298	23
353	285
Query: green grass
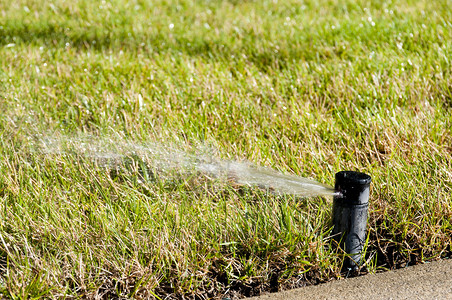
305	87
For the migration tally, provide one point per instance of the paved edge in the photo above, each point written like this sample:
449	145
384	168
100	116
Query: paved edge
427	281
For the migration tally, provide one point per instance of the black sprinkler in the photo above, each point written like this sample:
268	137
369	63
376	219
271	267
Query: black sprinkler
350	205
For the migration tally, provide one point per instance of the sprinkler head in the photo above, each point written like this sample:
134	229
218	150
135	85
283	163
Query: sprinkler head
350	207
352	187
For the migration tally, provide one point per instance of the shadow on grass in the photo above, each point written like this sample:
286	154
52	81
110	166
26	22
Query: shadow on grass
212	49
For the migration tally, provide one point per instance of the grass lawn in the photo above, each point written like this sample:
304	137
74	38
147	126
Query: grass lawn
89	89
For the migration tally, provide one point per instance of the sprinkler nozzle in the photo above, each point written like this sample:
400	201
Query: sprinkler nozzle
338	194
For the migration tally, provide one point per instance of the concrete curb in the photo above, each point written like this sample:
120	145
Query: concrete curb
428	281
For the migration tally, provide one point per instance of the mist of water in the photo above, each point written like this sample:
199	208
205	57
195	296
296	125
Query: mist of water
112	153
247	174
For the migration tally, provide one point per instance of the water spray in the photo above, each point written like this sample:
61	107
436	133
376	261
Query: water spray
350	206
350	195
